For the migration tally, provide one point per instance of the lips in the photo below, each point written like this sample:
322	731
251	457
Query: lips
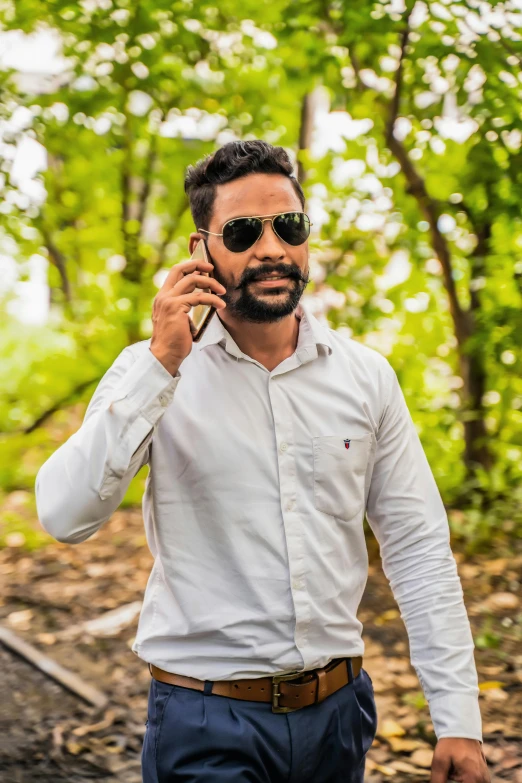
271	277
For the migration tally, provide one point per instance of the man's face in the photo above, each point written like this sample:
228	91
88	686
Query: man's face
246	297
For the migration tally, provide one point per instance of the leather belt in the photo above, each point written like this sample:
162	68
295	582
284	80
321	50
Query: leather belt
281	690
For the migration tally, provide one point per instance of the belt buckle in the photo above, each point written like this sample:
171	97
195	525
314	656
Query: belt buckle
276	679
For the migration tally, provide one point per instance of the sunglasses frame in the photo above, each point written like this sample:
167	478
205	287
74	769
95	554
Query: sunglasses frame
263	219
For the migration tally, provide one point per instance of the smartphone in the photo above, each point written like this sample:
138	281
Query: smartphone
202	314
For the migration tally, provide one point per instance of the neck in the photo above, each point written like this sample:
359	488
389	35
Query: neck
268	343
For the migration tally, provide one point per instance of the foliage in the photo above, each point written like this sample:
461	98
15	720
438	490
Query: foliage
152	86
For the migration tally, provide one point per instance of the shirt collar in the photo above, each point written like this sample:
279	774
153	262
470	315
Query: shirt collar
311	332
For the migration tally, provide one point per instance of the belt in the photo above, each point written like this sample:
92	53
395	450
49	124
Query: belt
281	690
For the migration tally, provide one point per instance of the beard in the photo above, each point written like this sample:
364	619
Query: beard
272	304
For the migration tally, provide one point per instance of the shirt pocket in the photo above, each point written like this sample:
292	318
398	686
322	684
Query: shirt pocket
339	474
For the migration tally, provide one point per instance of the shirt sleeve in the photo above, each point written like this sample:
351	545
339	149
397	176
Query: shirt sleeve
83	482
407	515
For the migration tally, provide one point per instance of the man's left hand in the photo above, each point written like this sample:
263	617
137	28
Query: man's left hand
459	759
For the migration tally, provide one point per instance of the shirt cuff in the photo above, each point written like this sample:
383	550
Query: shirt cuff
147	387
456	715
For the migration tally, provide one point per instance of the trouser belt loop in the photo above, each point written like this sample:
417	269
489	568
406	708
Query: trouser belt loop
150	669
350	669
322	686
207	690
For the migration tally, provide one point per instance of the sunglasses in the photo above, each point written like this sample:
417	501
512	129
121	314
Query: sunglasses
239	234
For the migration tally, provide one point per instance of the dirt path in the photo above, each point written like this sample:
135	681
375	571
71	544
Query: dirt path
47	734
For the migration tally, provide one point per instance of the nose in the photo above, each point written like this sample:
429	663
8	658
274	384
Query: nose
269	245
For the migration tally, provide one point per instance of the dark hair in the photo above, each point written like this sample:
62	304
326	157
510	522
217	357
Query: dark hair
232	161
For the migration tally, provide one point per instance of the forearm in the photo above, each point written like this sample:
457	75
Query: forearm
426	585
407	515
85	480
77	489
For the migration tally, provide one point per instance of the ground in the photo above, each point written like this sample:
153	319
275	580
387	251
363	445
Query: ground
49	734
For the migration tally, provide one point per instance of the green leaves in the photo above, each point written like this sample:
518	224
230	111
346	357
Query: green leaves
151	87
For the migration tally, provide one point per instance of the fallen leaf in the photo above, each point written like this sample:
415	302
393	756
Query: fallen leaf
409	721
510	763
46	638
396	665
496	567
400	745
74	747
108	720
490	685
493	728
57	735
390	614
469	571
494	694
386	770
493	753
493	671
381	755
422	757
390	728
403	766
15	539
109	624
502	602
407	681
21	620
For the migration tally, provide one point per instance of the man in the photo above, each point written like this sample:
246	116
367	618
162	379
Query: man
267	442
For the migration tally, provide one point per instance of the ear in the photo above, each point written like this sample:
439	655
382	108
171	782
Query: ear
193	240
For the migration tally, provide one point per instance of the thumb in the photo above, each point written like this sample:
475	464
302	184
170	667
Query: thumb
440	767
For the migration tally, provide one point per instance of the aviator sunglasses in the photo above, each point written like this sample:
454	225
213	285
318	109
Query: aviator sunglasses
239	234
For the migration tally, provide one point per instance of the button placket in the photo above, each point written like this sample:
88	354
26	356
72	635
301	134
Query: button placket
282	413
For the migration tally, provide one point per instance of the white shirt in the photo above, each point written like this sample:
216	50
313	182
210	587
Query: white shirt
254	505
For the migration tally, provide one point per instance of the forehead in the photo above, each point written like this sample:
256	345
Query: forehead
254	194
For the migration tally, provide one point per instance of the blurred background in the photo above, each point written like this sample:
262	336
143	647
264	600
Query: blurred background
404	122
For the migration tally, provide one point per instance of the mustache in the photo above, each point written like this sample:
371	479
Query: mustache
292	272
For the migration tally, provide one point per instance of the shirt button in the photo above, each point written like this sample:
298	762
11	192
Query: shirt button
296	584
283	446
290	505
164	401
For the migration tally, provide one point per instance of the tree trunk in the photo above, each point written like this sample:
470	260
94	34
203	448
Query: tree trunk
305	132
471	364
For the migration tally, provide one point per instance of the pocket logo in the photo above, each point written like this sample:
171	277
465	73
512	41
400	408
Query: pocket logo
347	443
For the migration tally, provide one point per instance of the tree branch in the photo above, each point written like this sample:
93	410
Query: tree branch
143	197
170	232
429	207
67	400
356	69
57	258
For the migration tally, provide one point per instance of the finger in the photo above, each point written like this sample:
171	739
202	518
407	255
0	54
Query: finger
183	268
440	768
188	283
201	298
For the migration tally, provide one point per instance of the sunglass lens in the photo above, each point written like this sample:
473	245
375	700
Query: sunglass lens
240	234
293	227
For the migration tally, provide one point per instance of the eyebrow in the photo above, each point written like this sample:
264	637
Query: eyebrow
270	214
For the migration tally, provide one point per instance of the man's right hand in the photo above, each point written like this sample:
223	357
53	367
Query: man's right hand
171	325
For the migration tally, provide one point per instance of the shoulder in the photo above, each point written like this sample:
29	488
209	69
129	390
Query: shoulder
369	370
127	358
362	356
136	350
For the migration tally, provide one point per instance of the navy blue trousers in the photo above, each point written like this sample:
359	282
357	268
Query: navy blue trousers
197	737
